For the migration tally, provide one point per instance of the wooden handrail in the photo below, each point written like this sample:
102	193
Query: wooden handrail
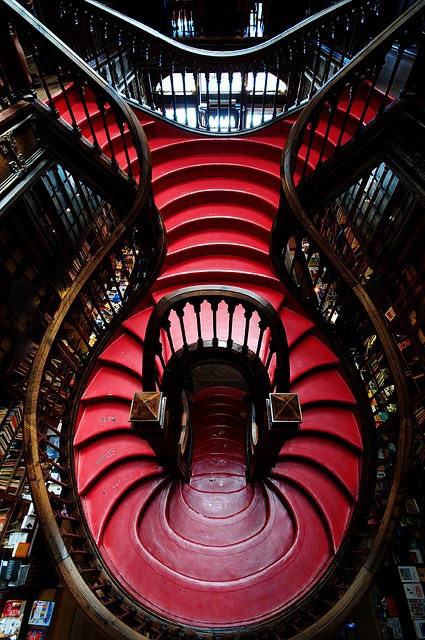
293	198
215	93
78	74
62	526
341	79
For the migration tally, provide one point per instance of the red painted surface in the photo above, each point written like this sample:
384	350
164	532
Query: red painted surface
216	551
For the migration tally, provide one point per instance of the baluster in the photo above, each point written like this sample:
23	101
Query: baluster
122	63
247	315
75	128
254	81
82	92
242	117
46	88
179	309
197	309
370	93
263	105
218	100
276	91
331	107
161	88
301	80
106	41
173	93
293	73
312	125
100	101
230	74
183	74
263	325
317	64
95	39
166	325
159	354
231	306
121	126
214	307
352	91
207	82
328	64
390	82
270	355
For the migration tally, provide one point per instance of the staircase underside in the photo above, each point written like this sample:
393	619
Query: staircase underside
218	552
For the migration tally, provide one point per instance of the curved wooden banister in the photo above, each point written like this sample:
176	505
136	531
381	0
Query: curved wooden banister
295	225
86	314
72	73
193	86
36	420
361	74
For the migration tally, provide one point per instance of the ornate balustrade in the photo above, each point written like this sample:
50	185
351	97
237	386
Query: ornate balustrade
74	95
219	91
356	97
225	320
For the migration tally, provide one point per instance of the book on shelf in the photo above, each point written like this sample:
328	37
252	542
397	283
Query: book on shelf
421	573
13	608
36	634
28	522
22	576
412	506
408	574
413	590
21	550
419	629
417	609
41	613
14	538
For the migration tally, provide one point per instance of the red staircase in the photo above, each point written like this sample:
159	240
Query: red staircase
217	552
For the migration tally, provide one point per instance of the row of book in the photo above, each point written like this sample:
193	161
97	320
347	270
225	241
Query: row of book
12	469
10	421
35	627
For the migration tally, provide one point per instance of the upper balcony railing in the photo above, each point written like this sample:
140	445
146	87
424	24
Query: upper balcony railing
220	91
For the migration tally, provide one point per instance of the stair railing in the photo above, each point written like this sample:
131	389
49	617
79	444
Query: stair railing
219	91
73	94
355	98
119	271
314	267
215	325
194	321
93	307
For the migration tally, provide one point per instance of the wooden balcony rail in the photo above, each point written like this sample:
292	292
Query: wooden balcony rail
220	91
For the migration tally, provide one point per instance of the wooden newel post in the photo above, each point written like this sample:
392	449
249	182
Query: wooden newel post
154	420
282	422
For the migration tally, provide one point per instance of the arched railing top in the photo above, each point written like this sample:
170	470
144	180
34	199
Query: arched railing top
256	332
236	54
219	91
